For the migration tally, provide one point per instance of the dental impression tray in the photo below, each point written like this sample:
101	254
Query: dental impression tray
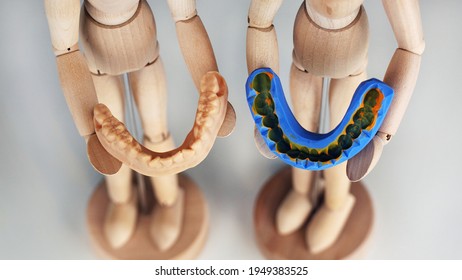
289	141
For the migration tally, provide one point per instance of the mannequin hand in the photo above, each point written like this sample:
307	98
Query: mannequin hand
361	164
261	145
227	127
100	159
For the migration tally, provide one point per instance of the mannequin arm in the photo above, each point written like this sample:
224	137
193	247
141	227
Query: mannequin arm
197	50
262	44
401	75
262	49
75	78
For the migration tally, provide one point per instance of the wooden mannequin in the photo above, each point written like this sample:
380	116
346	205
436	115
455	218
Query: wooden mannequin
120	37
330	40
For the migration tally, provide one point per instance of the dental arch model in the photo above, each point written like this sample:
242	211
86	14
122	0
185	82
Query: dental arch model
210	115
288	140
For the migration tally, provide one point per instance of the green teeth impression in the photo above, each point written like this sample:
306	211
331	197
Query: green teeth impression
264	106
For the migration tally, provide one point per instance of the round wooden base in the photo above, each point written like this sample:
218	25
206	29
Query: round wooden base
140	246
293	246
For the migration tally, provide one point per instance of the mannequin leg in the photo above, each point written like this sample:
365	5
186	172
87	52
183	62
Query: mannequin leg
149	89
329	221
305	92
121	214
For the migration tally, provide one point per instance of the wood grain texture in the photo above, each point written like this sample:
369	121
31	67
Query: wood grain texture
262	49
182	10
360	165
350	244
306	94
149	89
100	159
333	14
404	17
401	75
117	49
262	12
111	12
261	42
63	22
332	53
334	9
79	91
196	48
110	91
140	246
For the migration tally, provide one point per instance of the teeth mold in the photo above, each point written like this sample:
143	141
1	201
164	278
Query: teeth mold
210	115
289	141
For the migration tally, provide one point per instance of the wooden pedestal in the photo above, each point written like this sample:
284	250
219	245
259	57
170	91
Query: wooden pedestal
274	246
140	246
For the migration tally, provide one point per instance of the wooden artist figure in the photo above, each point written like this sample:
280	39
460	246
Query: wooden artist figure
119	37
330	40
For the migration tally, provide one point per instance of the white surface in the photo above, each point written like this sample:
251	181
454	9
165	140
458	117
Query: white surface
46	181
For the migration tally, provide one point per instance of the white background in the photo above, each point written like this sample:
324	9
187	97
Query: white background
46	181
